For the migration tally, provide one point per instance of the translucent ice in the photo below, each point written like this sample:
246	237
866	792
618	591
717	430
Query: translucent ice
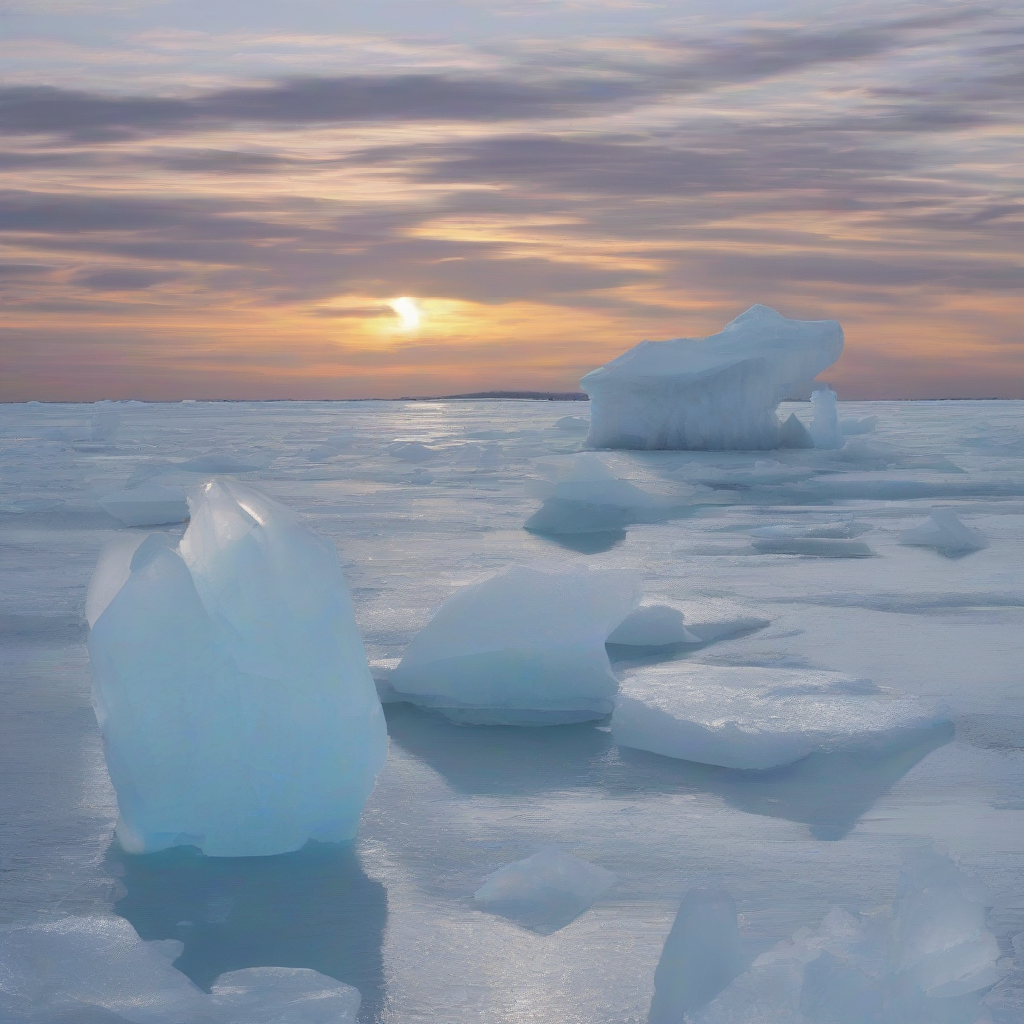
74	969
824	428
700	957
543	892
147	505
751	717
525	646
939	943
828	540
573	424
654	623
106	420
718	392
237	710
590	498
946	533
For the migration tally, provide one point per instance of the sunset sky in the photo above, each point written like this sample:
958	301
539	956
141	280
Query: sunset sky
227	199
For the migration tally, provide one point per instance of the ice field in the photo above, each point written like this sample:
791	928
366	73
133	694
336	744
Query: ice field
871	596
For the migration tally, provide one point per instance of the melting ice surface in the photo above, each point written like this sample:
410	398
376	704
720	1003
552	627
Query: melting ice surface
545	891
392	913
719	392
231	687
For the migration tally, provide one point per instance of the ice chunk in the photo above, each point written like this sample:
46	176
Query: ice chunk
573	424
700	957
106	421
938	941
852	426
824	429
751	717
946	533
237	710
718	392
543	892
828	540
525	646
111	573
716	618
793	433
147	505
411	451
590	498
654	623
75	968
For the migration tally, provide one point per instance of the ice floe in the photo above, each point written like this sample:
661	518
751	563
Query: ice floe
544	892
524	647
753	718
718	392
237	710
944	532
662	622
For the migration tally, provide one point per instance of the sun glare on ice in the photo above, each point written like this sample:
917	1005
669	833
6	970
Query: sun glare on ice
408	311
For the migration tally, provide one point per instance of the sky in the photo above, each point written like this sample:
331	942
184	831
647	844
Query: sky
342	198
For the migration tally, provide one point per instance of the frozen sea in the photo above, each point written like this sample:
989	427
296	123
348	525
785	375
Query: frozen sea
394	914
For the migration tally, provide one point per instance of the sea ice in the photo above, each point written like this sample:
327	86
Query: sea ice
237	710
718	392
926	960
701	956
590	498
863	425
73	969
106	421
147	505
573	424
411	451
824	429
752	717
829	540
543	892
946	533
524	647
653	623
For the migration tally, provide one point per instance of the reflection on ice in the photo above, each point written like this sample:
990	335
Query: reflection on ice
315	909
828	792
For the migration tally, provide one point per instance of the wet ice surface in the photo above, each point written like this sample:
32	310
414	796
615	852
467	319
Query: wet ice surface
394	915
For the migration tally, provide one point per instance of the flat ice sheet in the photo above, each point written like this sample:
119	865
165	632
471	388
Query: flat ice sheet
393	916
755	717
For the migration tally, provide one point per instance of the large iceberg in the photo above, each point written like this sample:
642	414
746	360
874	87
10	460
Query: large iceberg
543	892
230	683
718	392
524	647
754	718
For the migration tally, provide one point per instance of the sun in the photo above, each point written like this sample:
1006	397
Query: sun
408	311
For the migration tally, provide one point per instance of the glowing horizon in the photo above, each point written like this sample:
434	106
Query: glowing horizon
190	211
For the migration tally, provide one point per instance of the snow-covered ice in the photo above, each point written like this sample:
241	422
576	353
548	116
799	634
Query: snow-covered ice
944	532
232	691
718	392
543	892
753	717
524	647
